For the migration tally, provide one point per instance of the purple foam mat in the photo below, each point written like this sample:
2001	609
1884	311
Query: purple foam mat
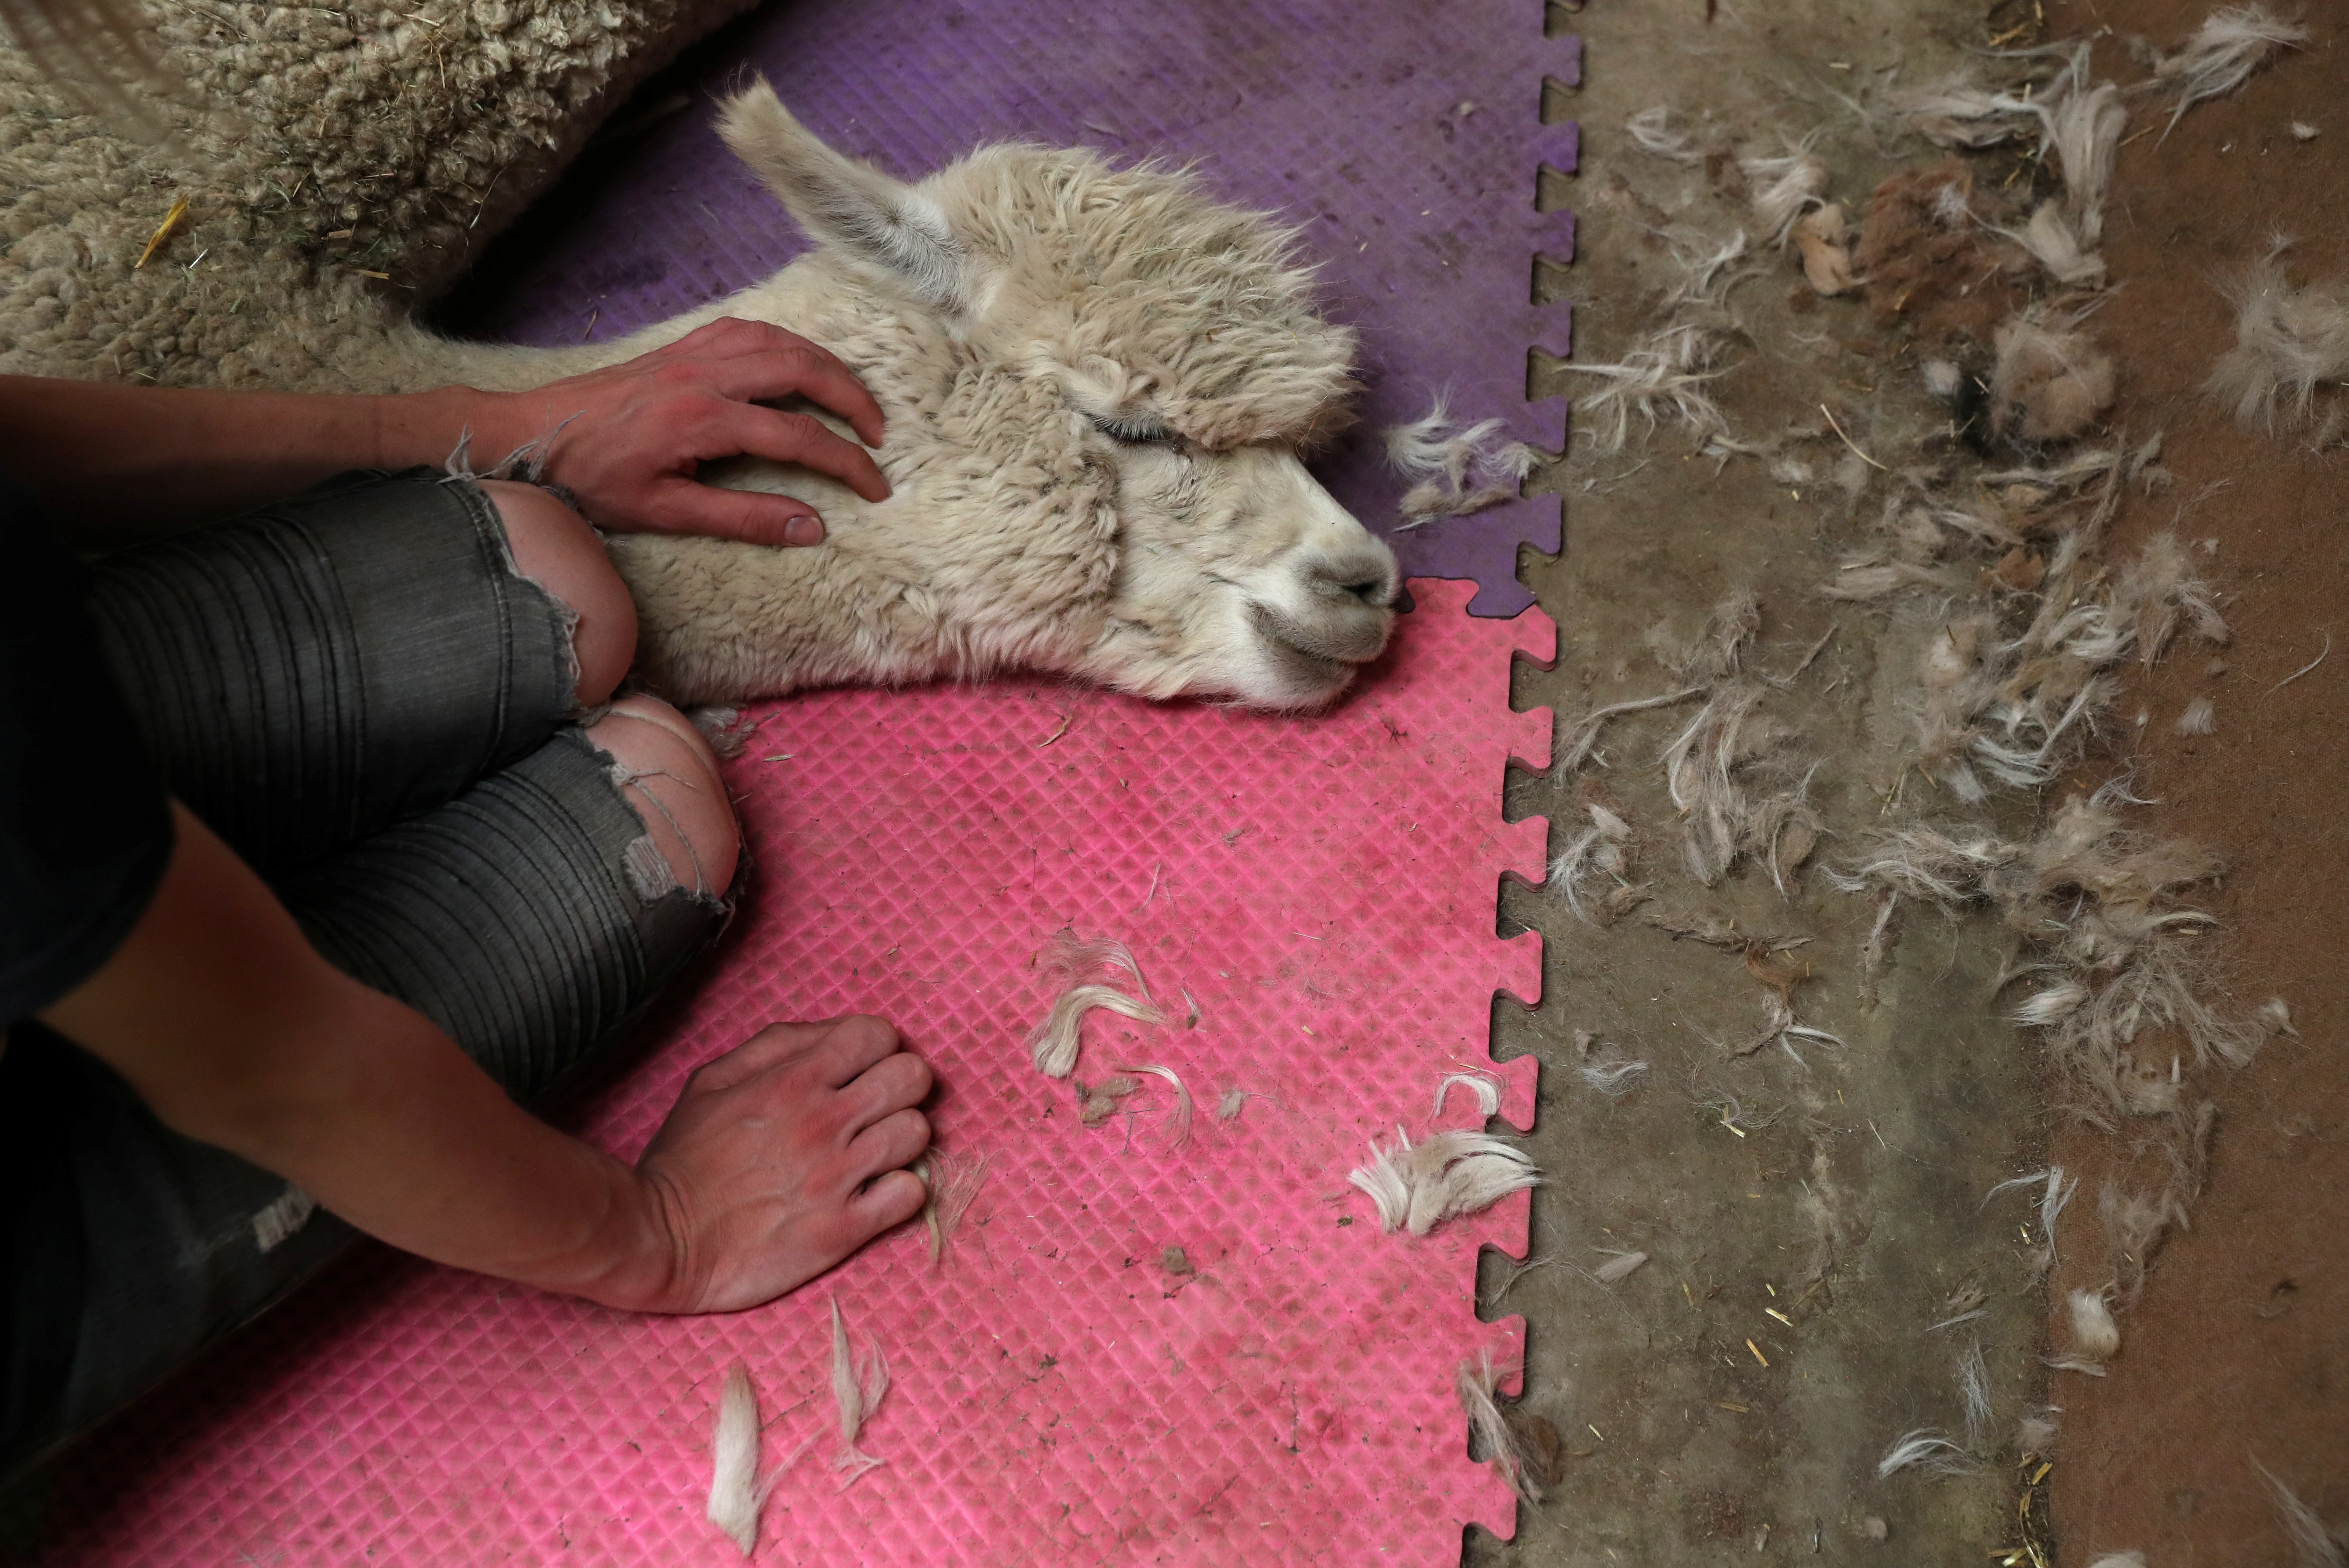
1404	135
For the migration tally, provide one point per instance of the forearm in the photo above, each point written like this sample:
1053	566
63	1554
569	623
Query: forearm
385	1120
114	463
235	1032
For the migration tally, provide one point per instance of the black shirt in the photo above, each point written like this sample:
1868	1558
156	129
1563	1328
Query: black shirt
85	830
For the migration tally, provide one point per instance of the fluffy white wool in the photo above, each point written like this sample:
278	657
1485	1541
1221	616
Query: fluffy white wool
1784	188
2098	903
2049	381
1662	379
2312	1545
1959	113
2084	128
1459	467
1613	1080
1652	131
2056	1195
2129	1559
1619	1266
2137	1223
1585	743
1710	765
2018	709
1924	1449
2052	240
1712	768
1973	1376
1416	1187
2291	343
734	1494
1599	851
1178	1119
2096	1335
1489	1429
1055	1041
952	1181
2199	717
2044	1009
2036	1433
2232	44
1074	959
857	1389
1485	1087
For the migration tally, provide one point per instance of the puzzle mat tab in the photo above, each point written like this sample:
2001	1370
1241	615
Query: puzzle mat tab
1322	890
1403	135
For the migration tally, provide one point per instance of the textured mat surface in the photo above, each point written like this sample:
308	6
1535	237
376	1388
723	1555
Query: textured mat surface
1403	135
1324	889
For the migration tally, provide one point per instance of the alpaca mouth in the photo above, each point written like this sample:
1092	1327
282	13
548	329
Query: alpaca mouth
1302	669
1334	642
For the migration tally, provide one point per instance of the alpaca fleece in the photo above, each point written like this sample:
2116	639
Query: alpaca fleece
1098	381
314	147
1098	384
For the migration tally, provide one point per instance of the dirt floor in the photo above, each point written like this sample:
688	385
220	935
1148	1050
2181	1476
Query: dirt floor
2237	1356
1808	1224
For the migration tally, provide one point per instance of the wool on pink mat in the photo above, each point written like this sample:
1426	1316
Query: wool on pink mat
1324	888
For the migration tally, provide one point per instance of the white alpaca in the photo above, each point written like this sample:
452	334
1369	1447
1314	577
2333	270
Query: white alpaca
1097	382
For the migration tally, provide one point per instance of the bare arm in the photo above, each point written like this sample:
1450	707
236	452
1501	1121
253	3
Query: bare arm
115	463
780	1158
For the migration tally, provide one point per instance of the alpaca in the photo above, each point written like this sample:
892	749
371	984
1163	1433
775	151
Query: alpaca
1097	383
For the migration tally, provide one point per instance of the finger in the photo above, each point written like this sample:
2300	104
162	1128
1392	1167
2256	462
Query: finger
698	341
688	506
893	1199
727	338
777	1045
801	439
893	1084
855	1043
733	337
809	370
894	1141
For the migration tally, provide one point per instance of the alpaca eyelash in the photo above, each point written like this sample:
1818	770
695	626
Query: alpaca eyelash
1131	432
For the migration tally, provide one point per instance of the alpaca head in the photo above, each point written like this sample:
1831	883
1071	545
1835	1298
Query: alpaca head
1122	373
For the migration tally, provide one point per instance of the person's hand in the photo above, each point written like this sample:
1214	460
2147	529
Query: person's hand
638	431
782	1156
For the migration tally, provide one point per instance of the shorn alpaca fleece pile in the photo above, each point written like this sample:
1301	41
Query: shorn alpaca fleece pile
339	166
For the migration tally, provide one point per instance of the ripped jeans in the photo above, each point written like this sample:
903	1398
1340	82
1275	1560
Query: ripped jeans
358	691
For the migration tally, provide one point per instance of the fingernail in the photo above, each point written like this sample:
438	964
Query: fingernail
804	531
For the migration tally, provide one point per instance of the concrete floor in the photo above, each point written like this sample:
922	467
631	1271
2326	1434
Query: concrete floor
1841	1216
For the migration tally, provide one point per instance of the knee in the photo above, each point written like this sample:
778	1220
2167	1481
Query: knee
553	547
674	785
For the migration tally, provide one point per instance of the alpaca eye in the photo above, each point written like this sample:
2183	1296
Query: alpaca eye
1132	430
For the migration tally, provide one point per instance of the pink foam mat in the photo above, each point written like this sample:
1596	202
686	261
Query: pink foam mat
1323	888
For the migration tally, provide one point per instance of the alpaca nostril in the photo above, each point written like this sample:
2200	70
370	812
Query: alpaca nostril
1358	580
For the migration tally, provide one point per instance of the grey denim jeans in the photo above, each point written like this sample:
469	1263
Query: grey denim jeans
361	695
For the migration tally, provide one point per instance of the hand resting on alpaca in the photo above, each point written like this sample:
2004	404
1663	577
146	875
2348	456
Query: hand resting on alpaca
1099	384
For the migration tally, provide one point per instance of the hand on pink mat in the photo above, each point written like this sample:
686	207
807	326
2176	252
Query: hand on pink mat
637	432
782	1156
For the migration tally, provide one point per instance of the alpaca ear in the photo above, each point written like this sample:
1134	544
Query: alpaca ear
846	204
